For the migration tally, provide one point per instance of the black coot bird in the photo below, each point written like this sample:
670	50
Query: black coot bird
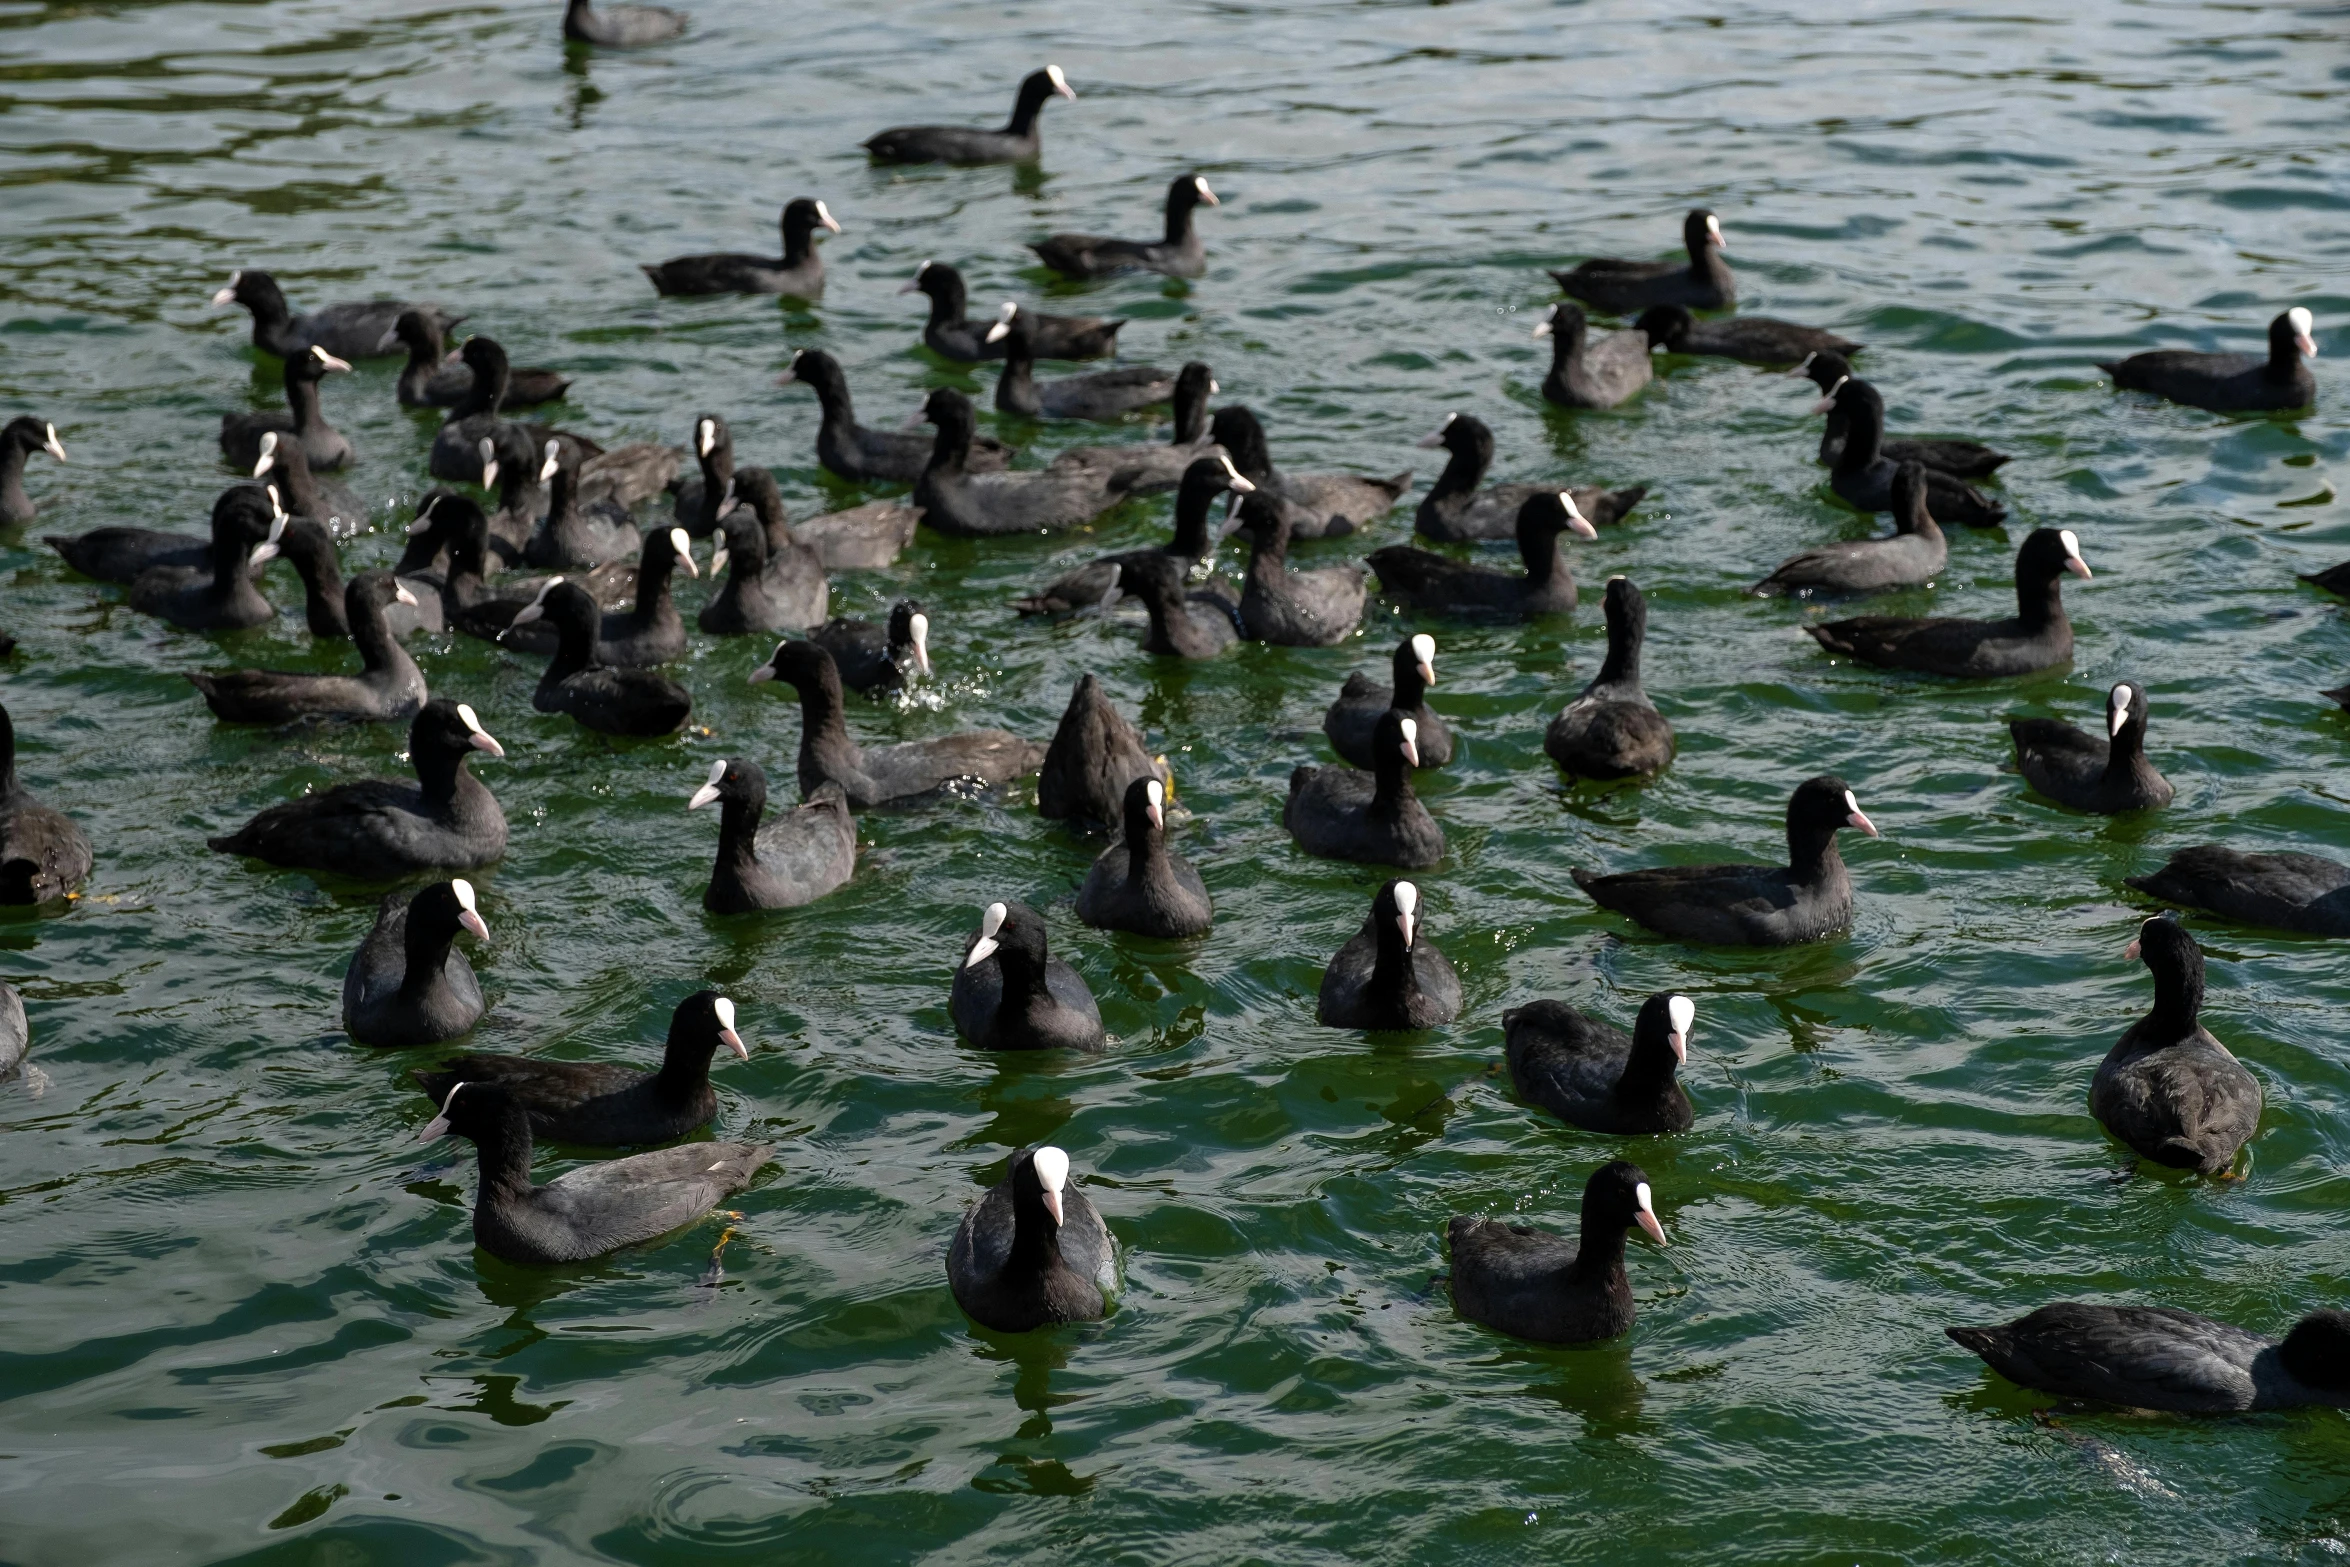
379	829
952	335
702	501
1592	1074
467	603
1587	372
1389	976
326	607
322	443
1293	608
1341	813
2230	383
2037	636
408	984
1138	884
858	538
871	657
16	1035
1316	505
246	527
1750	905
577	535
1425	580
2167	1088
883	774
356	330
1179	254
458	453
874	456
1455	510
1913	553
1185	622
591	1210
388	689
1755	340
1352	722
958	498
2288	891
433	378
1015	143
1033	1252
1960	459
1613	730
281	463
2106	775
1863	474
1095	753
800	858
799	272
610	699
620	26
1097	394
1144	468
1619	287
1096	582
19	439
604	1104
1533	1285
1010	994
122	554
43	855
2158	1357
2334	579
771	585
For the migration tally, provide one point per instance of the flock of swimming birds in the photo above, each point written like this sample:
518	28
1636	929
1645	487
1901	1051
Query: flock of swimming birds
518	497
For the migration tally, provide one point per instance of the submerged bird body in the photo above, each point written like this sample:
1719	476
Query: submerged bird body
1179	254
799	271
1097	394
1754	340
2087	773
389	688
2167	1088
1750	905
955	499
1094	755
620	26
2036	637
1914	553
874	456
432	379
43	855
1533	1285
1091	585
884	774
1960	459
1425	580
1864	470
355	330
1588	372
951	334
1612	730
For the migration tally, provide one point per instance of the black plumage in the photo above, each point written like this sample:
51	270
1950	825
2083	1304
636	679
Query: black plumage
1533	1285
2036	637
1352	722
1612	730
793	861
1138	884
1010	993
2105	775
1388	976
2167	1088
883	774
1032	1252
1590	1073
1342	813
408	984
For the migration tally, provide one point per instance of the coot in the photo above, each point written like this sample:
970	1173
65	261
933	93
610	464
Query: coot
2037	636
874	456
1591	374
1095	753
768	587
957	498
1316	505
347	331
1353	720
2229	383
2089	774
800	858
19	439
1455	510
1097	394
1010	994
799	272
1750	905
1032	1252
603	1103
1341	813
1531	1284
1913	553
43	855
591	1210
950	334
1755	340
1178	254
609	699
433	378
380	829
1138	884
1015	143
1960	459
1097	581
1293	608
620	26
408	984
246	527
1145	468
1185	622
2158	1357
1620	287
1612	730
1590	1073
322	443
878	658
1424	580
883	774
577	535
1863	474
1389	976
2288	891
2167	1088
389	688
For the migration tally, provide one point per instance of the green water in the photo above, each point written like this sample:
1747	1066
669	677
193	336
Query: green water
243	1319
